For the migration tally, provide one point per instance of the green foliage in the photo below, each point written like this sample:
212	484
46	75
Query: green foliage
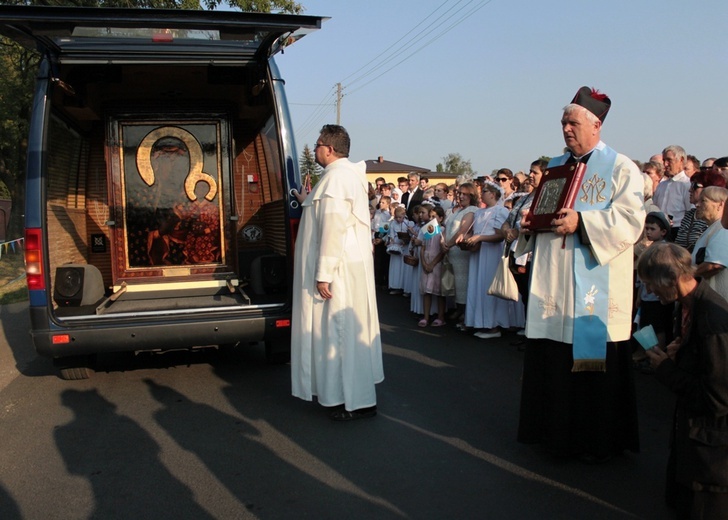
454	163
265	6
260	6
19	294
13	287
308	166
16	93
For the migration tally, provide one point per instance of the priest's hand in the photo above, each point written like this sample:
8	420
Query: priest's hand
323	289
300	197
567	223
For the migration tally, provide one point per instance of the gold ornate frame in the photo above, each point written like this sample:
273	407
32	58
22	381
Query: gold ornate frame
169	177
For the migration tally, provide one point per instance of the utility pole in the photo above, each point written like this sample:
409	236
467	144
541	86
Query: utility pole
338	103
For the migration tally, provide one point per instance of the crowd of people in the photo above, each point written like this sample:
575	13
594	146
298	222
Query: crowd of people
473	216
483	215
683	202
644	247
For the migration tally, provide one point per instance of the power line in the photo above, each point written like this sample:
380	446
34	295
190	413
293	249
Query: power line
395	43
326	104
394	52
331	99
425	45
317	116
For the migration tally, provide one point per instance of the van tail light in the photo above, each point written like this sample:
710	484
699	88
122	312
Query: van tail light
34	271
163	37
283	324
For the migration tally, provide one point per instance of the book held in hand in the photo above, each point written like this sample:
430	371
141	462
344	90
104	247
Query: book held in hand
557	189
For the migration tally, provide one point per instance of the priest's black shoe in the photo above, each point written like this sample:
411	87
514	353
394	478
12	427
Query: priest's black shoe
342	414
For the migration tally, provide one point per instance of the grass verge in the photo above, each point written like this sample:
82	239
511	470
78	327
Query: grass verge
12	278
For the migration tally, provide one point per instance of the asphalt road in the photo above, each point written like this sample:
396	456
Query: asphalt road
204	435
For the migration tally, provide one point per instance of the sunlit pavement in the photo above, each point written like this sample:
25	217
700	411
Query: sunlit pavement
208	435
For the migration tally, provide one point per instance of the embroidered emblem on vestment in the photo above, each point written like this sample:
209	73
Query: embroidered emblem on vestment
613	308
592	189
548	305
589	299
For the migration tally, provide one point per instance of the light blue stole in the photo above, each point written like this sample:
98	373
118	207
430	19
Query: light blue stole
591	280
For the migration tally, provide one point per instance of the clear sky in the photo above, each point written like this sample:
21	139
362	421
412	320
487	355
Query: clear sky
492	87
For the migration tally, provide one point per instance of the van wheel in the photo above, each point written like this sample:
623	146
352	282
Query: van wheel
277	353
75	368
76	373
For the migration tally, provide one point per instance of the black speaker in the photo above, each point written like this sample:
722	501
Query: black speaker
268	274
78	284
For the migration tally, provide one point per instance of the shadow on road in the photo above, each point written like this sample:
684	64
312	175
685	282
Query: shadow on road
8	508
196	441
15	328
129	480
218	439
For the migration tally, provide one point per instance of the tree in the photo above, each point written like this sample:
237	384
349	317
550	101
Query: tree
308	166
454	163
259	6
16	95
264	6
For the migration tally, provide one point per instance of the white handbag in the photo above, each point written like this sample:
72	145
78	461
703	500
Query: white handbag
504	284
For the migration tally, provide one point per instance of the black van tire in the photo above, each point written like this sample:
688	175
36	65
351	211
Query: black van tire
75	368
277	353
76	373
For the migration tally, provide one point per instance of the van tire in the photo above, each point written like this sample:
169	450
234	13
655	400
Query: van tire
76	373
277	354
74	368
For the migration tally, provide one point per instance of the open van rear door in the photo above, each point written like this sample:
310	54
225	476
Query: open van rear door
160	166
90	34
186	204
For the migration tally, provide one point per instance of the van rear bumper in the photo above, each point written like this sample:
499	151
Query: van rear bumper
162	334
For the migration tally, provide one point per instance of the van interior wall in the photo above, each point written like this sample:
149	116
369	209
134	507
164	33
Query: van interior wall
78	201
97	209
273	208
66	198
78	190
259	203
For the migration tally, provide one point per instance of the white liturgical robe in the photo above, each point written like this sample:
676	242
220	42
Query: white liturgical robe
612	232
336	350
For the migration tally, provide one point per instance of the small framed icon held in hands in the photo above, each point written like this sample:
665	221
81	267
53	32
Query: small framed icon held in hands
557	190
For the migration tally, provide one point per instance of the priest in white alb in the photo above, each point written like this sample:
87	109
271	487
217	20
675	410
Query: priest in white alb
336	349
